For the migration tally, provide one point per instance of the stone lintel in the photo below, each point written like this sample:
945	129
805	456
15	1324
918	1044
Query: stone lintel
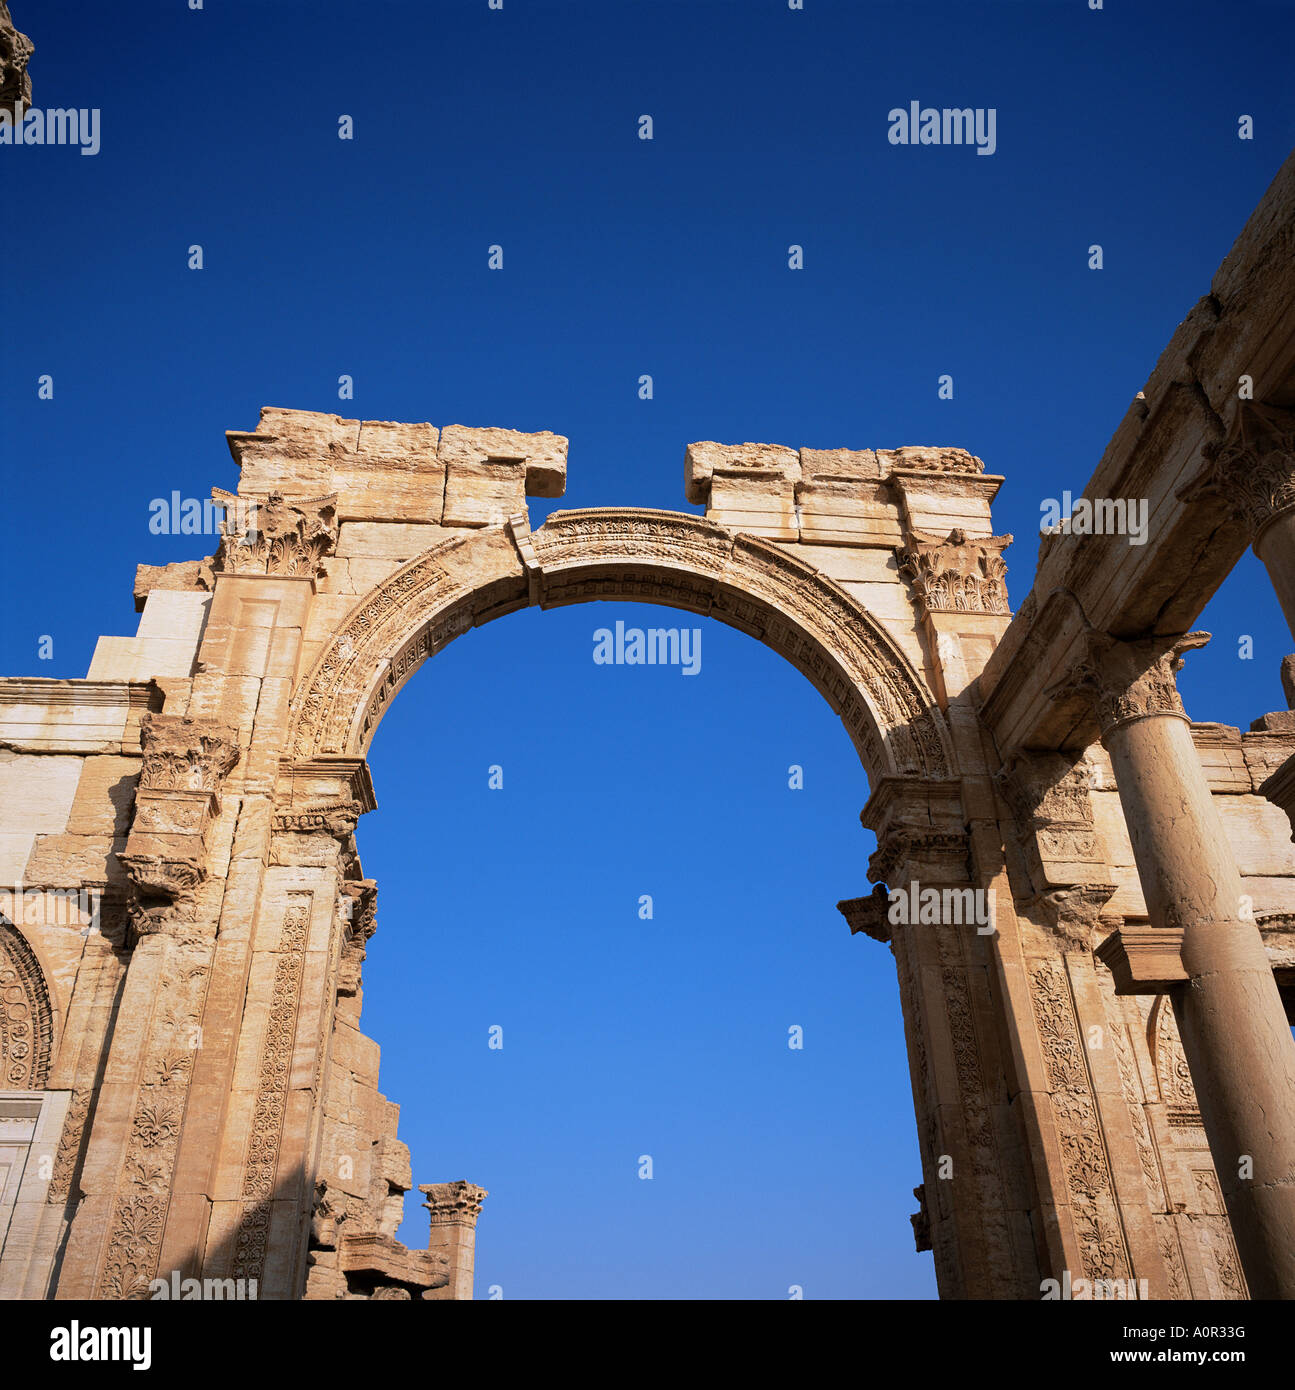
392	470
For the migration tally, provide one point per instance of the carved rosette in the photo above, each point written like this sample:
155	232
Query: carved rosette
1252	472
956	574
453	1203
284	536
1128	680
185	763
26	1019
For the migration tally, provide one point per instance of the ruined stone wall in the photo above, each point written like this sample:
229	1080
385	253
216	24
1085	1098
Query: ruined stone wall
194	1054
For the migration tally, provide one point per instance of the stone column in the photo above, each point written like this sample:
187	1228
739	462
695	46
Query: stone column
453	1208
1253	474
1234	1029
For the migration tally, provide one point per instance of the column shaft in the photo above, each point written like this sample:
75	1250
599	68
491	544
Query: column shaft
1230	1015
1275	546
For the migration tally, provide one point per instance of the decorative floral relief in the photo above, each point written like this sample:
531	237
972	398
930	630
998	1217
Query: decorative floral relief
1088	1175
262	1157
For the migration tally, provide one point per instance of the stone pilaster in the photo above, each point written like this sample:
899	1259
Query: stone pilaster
128	1172
973	1160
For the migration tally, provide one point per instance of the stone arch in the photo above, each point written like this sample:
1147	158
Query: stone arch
26	1015
669	558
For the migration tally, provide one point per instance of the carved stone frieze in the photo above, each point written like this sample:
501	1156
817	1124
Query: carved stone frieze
921	458
1173	1075
1050	798
183	754
608	552
1135	1100
357	904
921	832
337	819
956	573
68	1153
937	856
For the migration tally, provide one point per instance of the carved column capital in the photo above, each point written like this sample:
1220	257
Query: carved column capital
1071	915
956	573
276	535
1128	680
185	754
1052	817
453	1203
185	764
1252	471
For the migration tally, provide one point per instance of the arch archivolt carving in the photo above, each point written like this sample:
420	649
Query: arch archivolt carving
26	1016
669	558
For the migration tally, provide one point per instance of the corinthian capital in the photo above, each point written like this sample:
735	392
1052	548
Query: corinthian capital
1128	680
1252	471
955	573
453	1203
275	535
183	754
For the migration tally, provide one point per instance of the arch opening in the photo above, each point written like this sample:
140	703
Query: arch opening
669	558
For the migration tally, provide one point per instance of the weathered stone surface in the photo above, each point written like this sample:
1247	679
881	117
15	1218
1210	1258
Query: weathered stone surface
198	1048
15	53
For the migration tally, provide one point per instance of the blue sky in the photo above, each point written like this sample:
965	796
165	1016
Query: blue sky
622	257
